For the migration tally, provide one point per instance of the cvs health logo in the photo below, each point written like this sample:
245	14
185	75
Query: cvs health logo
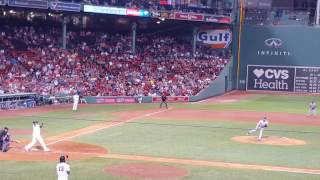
270	78
272	73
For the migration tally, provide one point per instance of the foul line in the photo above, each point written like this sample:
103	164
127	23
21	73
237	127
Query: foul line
105	127
213	164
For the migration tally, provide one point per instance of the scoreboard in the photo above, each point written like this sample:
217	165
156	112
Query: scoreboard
307	80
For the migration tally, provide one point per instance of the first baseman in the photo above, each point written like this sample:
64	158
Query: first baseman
36	136
261	125
75	101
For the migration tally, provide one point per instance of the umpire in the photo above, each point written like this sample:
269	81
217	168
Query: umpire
163	100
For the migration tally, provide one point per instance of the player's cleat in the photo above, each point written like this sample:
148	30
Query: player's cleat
26	149
47	150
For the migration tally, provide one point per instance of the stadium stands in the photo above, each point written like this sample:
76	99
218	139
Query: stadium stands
101	64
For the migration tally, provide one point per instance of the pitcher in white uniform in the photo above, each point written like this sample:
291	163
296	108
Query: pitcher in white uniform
36	136
63	169
261	125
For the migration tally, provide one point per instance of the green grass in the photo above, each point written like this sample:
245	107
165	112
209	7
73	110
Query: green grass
63	120
208	140
262	103
92	169
202	140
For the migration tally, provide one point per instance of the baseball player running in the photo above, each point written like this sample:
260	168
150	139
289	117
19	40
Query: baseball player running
36	136
261	125
63	169
313	108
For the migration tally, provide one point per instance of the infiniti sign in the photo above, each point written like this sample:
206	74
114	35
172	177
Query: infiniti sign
273	42
274	48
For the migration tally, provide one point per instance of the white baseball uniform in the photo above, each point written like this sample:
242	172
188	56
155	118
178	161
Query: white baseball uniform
62	171
313	108
75	102
261	125
36	136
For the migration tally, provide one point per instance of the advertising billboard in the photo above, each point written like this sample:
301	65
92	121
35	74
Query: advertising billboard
63	6
104	10
283	78
216	38
29	4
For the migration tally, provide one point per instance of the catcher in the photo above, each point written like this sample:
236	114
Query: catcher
262	124
5	139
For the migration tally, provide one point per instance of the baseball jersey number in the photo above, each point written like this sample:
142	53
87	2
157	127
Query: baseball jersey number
61	168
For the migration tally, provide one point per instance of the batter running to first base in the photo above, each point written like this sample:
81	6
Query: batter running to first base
63	169
261	125
36	136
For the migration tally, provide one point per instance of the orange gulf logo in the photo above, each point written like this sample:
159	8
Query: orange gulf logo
218	38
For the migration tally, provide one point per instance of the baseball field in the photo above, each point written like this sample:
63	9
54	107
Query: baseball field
203	140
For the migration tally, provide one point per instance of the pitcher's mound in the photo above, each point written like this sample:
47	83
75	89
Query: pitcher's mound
269	140
149	171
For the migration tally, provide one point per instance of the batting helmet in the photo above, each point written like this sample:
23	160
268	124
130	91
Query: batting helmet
62	159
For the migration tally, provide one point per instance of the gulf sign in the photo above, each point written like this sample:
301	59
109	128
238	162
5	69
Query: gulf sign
216	38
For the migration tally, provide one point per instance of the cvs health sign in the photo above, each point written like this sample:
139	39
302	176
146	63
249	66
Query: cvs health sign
216	38
270	78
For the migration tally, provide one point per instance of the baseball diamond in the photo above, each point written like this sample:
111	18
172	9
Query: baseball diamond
140	89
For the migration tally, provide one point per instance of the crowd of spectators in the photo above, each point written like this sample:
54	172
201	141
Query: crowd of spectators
101	64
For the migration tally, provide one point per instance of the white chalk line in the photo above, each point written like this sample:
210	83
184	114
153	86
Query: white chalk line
212	164
106	127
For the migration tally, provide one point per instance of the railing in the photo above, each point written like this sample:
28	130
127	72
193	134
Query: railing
17	101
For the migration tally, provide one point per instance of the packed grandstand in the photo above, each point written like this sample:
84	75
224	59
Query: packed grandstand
100	62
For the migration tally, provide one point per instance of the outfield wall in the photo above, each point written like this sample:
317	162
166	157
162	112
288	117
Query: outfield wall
219	86
295	49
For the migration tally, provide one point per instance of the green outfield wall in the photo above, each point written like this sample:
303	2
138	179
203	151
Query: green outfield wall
272	46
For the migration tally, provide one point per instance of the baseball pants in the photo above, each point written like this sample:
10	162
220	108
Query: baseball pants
75	106
5	146
260	132
33	142
163	103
